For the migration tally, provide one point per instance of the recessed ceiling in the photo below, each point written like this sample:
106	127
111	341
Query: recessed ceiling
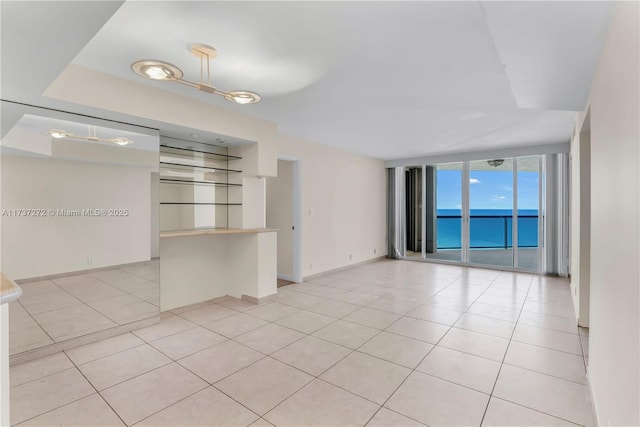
385	79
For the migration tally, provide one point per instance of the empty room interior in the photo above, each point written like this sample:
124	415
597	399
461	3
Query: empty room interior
323	213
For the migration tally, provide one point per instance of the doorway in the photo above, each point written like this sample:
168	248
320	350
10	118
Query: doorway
283	212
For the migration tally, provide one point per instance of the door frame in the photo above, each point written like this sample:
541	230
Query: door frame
297	219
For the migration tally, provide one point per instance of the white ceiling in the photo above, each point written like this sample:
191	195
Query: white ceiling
386	79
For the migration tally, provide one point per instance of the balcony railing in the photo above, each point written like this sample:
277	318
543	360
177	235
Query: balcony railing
487	231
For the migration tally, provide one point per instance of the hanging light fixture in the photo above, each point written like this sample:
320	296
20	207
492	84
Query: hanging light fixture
160	70
93	136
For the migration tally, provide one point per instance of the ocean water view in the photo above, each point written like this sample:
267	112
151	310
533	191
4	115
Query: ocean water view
489	228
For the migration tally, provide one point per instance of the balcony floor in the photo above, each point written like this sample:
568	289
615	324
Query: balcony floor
527	257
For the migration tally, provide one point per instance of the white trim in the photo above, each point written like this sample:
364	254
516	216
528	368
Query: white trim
514	215
562	147
423	212
287	277
296	275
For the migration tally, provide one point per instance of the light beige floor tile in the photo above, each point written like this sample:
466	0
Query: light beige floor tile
306	321
436	402
208	314
501	413
168	326
324	280
455	304
584	340
494	311
238	304
47	393
561	341
367	376
327	291
546	321
22	322
229	358
71	321
302	300
187	342
302	287
269	338
471	342
48	302
387	418
514	303
103	348
35	369
90	411
149	393
311	355
322	404
111	275
553	396
28	339
94	291
372	318
273	311
111	304
208	407
563	309
334	308
261	422
394	305
131	312
119	367
355	297
191	307
235	325
486	325
435	314
418	329
30	289
461	368
546	361
397	349
346	334
263	385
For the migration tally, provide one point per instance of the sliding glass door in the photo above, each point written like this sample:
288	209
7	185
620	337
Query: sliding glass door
481	212
490	214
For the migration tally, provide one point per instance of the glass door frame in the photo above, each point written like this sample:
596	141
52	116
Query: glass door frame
466	216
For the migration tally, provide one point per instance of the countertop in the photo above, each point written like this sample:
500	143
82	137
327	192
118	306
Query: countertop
9	291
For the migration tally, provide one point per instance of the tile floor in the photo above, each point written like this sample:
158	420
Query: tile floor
393	343
51	311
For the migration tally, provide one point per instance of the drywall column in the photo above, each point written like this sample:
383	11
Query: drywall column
585	227
614	338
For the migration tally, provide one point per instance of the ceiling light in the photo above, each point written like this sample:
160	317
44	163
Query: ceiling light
93	136
495	163
159	70
58	133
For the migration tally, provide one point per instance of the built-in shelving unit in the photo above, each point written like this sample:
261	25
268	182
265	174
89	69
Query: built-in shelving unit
199	186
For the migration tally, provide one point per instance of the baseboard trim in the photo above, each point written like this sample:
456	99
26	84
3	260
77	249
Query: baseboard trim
346	267
261	300
286	277
69	344
79	272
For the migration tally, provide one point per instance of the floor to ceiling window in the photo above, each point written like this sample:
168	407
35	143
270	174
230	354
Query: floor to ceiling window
482	212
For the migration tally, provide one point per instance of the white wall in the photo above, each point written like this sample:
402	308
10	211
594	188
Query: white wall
40	246
614	337
343	205
580	248
280	215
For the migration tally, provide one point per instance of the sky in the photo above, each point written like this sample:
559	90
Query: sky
487	189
